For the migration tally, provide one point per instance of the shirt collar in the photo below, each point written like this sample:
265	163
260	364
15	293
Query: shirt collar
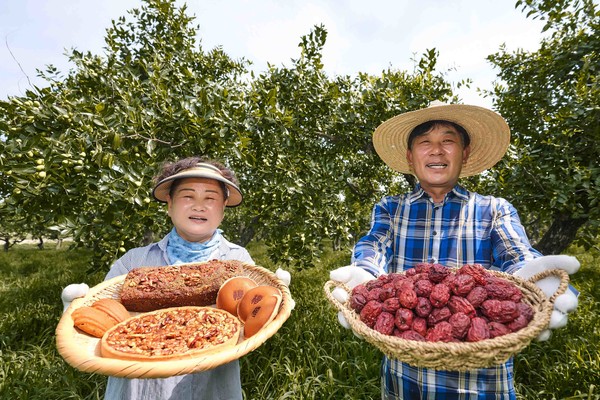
460	192
162	244
457	191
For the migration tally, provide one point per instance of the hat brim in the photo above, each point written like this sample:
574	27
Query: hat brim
162	188
488	131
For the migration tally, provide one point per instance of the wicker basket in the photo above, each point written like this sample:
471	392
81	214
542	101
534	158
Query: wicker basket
464	355
83	351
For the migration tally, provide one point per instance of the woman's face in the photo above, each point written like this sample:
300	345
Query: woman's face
197	208
437	158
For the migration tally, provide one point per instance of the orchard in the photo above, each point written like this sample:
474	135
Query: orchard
78	155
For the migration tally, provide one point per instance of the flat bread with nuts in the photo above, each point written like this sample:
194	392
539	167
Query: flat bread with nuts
172	334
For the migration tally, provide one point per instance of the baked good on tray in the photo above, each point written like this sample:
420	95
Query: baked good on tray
102	315
171	334
258	307
152	288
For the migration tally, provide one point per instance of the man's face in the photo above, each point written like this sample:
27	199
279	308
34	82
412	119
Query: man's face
197	208
437	158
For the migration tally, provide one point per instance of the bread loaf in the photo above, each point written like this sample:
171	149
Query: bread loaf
92	321
113	308
152	288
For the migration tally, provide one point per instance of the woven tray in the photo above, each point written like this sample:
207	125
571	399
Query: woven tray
464	355
83	351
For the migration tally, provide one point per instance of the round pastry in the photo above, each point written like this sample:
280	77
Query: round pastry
258	307
113	308
232	291
92	321
172	334
261	315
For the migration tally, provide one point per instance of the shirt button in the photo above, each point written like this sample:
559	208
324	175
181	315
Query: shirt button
434	233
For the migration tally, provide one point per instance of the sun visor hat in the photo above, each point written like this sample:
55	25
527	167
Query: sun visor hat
200	170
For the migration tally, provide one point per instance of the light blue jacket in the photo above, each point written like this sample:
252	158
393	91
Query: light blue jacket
221	383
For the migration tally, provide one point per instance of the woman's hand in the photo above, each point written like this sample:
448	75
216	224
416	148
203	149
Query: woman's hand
71	292
286	278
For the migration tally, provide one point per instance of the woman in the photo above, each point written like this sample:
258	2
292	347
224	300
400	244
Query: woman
196	191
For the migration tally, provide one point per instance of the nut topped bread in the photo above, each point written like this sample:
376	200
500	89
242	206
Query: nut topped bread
152	288
172	334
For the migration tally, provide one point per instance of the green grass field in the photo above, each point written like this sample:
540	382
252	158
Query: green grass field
311	357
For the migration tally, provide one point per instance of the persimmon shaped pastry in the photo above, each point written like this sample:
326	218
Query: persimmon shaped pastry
258	307
232	291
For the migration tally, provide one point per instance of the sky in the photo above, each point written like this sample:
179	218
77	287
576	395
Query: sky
363	36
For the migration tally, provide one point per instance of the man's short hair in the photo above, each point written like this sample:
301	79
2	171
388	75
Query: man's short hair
425	127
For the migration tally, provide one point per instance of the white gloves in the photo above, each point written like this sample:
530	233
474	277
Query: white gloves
351	276
284	275
286	278
71	292
563	304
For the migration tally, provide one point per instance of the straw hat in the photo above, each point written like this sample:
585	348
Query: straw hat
201	170
488	131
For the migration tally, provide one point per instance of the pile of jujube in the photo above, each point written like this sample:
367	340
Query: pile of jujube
433	303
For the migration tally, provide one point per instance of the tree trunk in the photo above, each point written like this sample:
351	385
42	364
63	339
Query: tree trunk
560	235
412	181
40	244
148	237
248	232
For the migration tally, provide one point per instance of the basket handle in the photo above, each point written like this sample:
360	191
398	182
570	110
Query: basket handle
560	273
75	303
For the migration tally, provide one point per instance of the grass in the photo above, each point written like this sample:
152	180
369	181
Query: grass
30	307
311	357
568	365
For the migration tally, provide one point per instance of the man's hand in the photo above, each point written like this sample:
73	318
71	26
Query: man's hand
351	276
563	304
71	292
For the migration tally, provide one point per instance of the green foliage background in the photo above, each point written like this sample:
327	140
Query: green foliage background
77	156
551	100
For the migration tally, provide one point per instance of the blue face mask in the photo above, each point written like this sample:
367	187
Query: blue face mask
181	251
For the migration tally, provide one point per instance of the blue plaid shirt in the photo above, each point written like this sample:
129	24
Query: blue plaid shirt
466	228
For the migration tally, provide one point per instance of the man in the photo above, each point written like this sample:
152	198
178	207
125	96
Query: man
442	222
